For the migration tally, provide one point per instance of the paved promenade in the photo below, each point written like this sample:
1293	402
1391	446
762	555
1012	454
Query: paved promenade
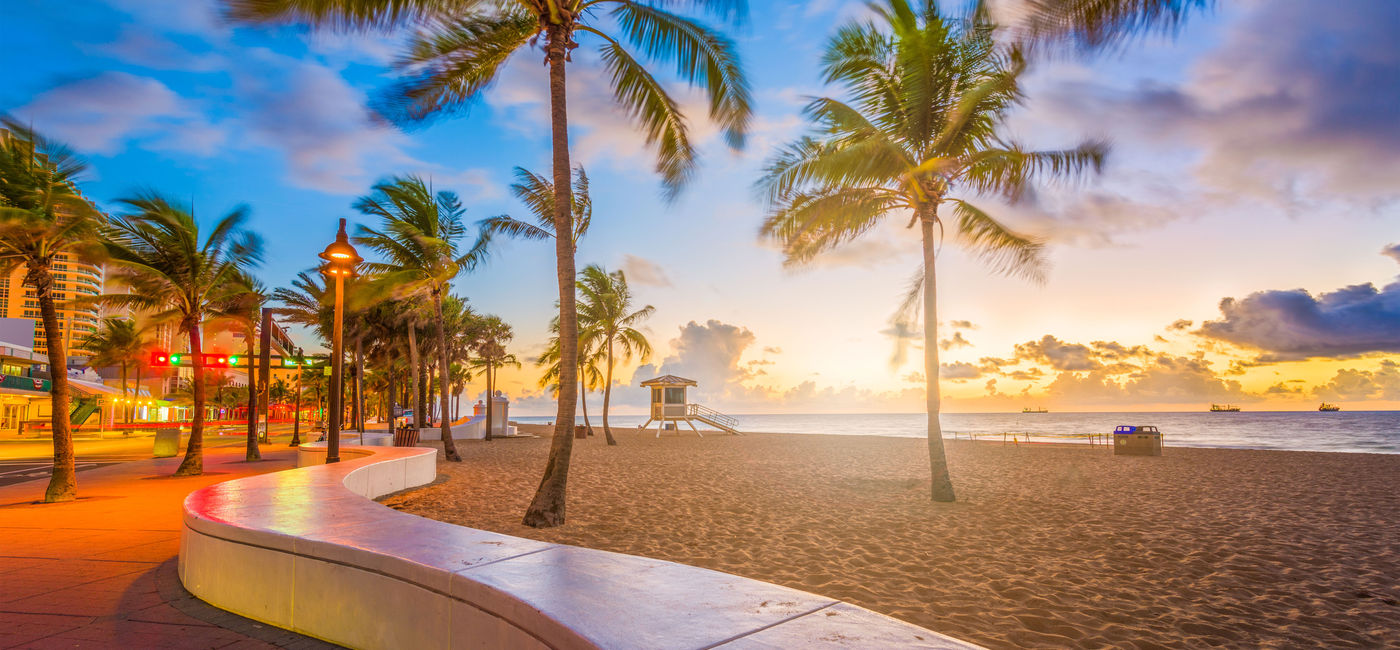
100	572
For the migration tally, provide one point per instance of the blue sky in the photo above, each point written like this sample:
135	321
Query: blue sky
1253	160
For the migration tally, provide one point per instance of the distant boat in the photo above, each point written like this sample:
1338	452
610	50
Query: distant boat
1038	409
1329	407
1224	408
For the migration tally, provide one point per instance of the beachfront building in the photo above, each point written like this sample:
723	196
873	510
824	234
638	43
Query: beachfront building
669	403
72	279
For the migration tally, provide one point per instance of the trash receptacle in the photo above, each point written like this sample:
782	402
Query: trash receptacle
579	432
1137	441
167	443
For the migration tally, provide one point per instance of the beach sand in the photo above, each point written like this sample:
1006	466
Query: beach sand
1047	546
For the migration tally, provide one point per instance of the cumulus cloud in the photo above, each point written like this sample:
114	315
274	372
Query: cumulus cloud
1298	96
956	341
644	272
958	371
1057	354
1392	251
1293	324
100	114
1383	383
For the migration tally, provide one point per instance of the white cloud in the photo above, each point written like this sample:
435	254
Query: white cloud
101	114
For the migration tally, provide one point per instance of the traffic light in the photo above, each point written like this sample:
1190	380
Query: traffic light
216	360
160	360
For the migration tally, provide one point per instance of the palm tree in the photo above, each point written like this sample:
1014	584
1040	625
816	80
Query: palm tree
179	274
420	242
605	311
43	218
537	193
589	376
118	342
460	48
492	336
928	96
246	316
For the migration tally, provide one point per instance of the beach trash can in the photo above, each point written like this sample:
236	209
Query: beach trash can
1137	441
167	443
579	432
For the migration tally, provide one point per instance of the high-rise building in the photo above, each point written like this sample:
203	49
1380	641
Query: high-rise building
72	280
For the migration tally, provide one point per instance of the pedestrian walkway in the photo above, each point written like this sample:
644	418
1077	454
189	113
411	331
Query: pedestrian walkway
100	572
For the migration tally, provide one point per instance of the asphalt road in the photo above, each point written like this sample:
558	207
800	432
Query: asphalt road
19	471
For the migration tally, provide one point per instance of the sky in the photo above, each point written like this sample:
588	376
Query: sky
1241	245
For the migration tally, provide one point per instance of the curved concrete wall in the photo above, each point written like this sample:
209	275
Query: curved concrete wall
305	549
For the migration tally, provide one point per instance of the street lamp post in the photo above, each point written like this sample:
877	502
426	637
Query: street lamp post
341	261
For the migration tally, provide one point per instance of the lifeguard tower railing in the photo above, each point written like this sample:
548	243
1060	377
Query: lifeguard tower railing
712	417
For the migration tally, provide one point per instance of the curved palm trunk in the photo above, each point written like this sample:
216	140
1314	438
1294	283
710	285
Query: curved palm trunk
63	485
253	453
607	396
126	411
941	487
449	446
547	507
359	381
296	414
583	401
193	464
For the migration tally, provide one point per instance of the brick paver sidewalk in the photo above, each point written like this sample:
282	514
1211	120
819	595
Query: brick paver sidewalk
100	572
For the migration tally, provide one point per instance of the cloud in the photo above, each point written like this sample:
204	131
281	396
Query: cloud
956	341
144	47
958	371
1392	251
1298	98
1164	379
1293	324
707	353
1383	383
1058	354
319	122
644	272
1180	325
962	325
101	114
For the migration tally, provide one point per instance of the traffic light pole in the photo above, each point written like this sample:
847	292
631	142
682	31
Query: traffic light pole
264	374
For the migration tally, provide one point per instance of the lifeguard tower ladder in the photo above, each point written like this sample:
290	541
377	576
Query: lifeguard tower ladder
668	403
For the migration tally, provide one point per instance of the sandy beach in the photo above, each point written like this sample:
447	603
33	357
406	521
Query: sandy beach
1048	546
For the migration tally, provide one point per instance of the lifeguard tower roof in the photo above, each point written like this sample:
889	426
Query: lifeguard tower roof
670	380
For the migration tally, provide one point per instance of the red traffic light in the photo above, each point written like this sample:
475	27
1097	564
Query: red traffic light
160	360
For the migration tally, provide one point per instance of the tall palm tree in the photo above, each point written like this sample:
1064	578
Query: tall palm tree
245	316
920	132
117	342
179	273
420	241
492	334
43	217
537	193
459	49
605	310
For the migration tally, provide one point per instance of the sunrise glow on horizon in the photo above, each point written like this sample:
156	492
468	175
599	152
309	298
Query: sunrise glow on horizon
1240	246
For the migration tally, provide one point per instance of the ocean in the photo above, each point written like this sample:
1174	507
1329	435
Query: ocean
1349	431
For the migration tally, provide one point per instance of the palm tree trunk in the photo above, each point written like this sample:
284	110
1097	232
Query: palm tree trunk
138	389
414	377
193	464
126	417
63	485
253	453
359	381
583	401
941	487
449	446
607	396
547	507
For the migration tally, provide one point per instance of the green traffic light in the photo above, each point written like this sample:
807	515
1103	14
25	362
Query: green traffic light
174	359
233	361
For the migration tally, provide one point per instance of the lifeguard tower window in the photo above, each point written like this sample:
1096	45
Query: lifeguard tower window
675	395
656	396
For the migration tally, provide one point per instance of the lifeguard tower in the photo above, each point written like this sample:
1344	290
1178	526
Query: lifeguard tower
669	404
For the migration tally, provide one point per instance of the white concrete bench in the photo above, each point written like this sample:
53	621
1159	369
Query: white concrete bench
307	550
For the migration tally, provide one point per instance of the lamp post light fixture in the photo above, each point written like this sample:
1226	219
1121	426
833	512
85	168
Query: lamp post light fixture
341	262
